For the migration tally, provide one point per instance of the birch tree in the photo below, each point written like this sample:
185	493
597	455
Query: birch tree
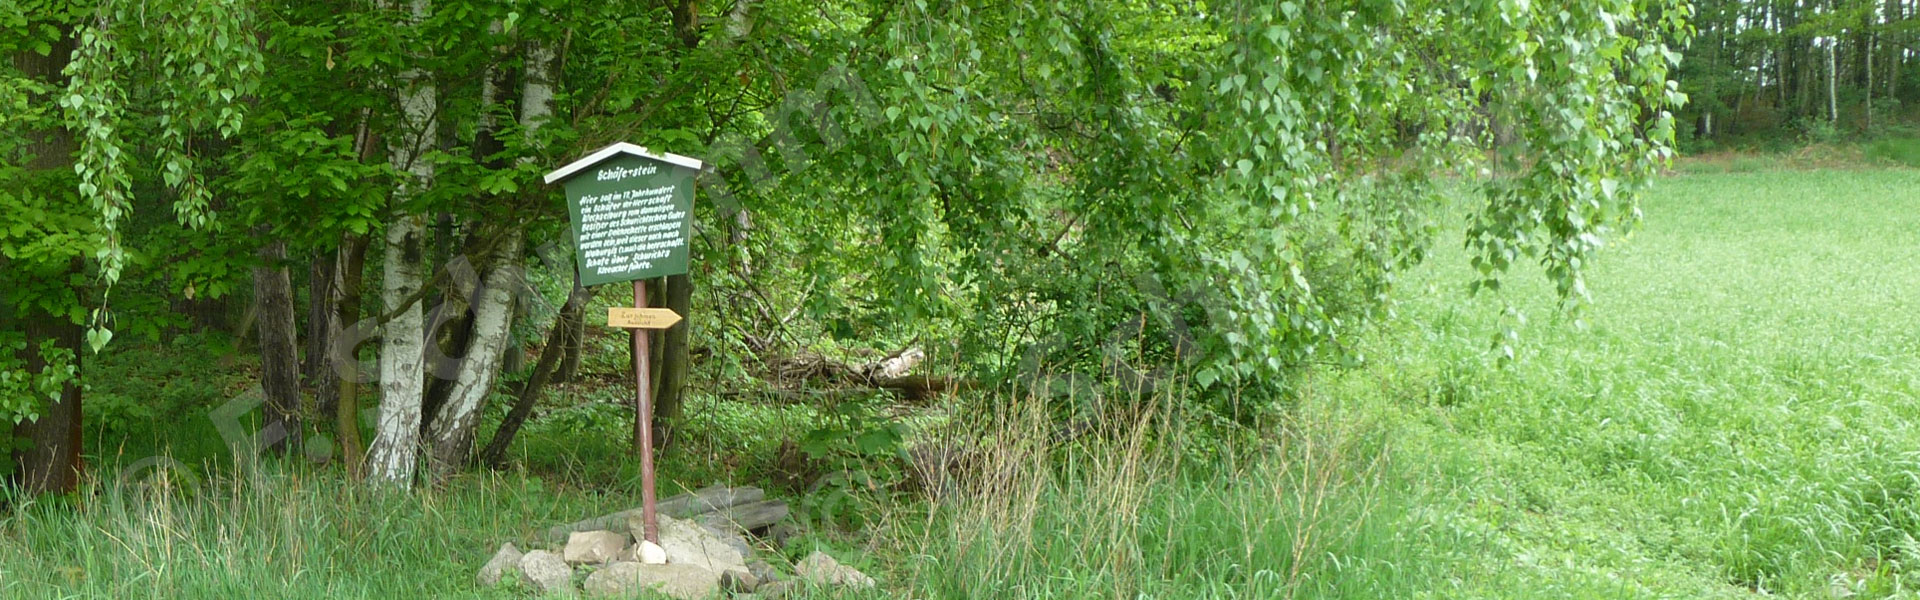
394	452
453	426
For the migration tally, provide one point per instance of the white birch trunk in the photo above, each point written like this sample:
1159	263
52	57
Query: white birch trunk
536	93
453	426
1833	81
395	449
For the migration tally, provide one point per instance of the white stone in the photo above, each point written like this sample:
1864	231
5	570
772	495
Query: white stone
546	571
650	553
593	547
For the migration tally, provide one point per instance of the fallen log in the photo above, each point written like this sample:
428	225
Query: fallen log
746	518
686	506
792	375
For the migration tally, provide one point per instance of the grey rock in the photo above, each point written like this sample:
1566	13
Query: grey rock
593	547
546	571
614	579
820	569
727	535
778	589
738	581
763	571
507	557
783	532
688	543
625	579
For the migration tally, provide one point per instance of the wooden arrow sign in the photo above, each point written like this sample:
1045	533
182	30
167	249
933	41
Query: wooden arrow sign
641	318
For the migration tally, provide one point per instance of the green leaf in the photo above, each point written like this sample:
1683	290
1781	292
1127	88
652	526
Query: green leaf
97	338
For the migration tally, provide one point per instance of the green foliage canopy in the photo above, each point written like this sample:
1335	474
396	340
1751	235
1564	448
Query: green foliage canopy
1025	178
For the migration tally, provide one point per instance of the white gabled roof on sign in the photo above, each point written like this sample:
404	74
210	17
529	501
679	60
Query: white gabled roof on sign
621	148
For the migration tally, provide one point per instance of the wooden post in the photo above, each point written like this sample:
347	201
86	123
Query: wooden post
643	417
612	196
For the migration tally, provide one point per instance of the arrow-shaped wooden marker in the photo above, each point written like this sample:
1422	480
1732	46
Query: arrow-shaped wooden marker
641	318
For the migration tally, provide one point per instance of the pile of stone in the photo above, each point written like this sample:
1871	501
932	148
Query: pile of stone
703	553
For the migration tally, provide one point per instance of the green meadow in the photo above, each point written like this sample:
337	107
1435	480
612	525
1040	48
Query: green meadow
1733	415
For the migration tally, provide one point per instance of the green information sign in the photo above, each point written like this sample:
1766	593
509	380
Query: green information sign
631	213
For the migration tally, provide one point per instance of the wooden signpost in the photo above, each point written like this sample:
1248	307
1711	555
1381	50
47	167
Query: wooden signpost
631	210
641	318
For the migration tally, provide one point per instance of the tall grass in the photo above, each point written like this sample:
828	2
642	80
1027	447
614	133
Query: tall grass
1141	509
1147	509
270	533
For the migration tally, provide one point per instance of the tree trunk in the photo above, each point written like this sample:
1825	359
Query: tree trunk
343	355
686	22
452	431
1719	59
1781	84
449	335
1833	82
47	451
50	462
392	456
454	423
449	323
543	370
536	104
674	357
322	300
279	357
1896	50
1802	74
573	342
515	357
1805	89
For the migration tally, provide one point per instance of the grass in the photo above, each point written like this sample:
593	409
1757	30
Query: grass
1737	418
268	535
1901	150
1314	511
